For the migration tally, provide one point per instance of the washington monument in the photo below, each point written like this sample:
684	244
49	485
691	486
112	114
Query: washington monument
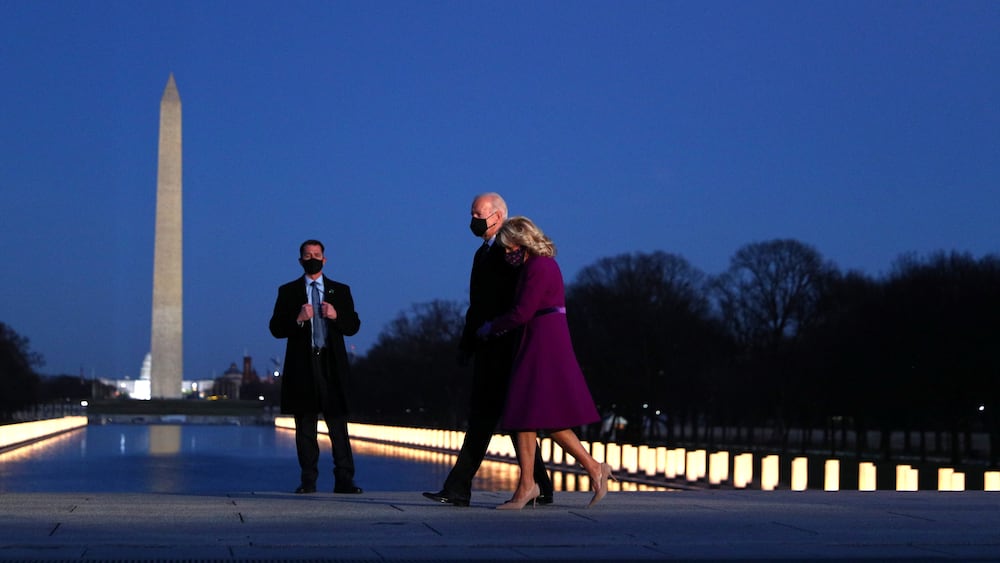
167	343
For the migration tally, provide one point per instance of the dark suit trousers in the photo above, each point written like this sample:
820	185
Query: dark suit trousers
491	375
306	435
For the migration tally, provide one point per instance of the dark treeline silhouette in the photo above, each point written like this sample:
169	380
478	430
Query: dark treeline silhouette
411	376
781	350
18	379
21	387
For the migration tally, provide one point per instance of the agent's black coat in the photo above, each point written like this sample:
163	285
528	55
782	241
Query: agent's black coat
300	392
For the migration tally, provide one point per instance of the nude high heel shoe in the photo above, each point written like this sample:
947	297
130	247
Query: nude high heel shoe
514	504
601	486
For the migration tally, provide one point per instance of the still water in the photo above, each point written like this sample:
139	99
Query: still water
213	459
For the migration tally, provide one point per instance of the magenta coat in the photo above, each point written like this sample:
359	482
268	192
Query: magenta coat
547	388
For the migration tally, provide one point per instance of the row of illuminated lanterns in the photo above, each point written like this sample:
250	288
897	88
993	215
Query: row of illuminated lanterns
694	466
671	463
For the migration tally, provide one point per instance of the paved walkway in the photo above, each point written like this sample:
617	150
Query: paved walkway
691	525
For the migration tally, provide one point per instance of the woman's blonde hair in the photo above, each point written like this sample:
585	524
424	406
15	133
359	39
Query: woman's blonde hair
520	231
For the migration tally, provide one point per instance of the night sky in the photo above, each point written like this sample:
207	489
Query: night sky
865	129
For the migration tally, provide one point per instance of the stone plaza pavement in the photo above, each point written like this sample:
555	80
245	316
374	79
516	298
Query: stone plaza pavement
403	526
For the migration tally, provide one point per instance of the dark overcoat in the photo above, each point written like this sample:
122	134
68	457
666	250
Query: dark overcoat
301	393
491	293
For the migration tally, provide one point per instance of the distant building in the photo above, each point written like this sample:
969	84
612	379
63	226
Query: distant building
140	388
198	389
228	386
134	388
249	374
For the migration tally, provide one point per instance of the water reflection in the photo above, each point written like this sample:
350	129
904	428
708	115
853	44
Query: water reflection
154	458
166	440
199	459
32	450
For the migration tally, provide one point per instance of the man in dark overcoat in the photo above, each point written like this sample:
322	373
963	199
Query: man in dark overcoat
314	313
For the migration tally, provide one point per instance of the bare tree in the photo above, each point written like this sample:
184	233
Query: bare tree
771	290
641	324
410	375
767	297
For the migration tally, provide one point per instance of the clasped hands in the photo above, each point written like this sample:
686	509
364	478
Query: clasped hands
306	312
486	331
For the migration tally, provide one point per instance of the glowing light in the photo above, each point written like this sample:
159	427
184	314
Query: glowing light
800	474
991	481
546	449
630	458
647	460
661	460
32	449
498	471
12	435
670	464
557	454
944	478
867	476
906	478
769	473
718	468
695	465
831	475
597	451
613	456
680	457
742	470
958	481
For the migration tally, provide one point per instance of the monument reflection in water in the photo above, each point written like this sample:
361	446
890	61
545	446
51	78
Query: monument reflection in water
213	459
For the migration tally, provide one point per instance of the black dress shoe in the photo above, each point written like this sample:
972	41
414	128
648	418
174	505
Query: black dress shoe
544	498
305	489
445	498
347	490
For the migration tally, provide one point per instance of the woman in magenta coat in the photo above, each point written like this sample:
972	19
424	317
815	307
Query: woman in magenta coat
547	389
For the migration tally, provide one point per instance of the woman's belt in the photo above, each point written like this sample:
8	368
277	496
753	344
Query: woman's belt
548	310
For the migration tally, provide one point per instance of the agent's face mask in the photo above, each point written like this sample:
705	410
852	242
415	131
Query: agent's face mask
311	266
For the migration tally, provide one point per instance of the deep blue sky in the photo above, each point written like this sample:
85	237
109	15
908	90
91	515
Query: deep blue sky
866	129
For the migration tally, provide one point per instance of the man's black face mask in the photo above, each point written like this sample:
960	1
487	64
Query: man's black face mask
480	226
311	266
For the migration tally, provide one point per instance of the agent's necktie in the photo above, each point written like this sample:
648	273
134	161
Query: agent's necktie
318	326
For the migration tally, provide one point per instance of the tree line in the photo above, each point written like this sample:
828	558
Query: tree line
781	340
22	387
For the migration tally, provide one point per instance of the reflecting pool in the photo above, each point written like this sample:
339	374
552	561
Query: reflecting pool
212	459
195	459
